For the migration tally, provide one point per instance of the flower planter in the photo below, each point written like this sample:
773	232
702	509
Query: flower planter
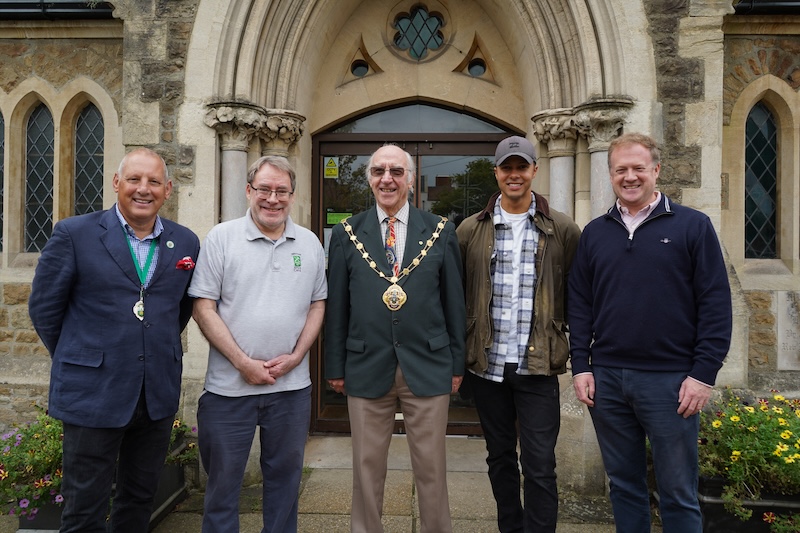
716	519
171	491
47	519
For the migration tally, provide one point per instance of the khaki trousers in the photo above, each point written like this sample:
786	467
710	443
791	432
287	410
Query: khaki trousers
371	426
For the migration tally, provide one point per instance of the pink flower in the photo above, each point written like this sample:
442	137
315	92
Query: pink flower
185	264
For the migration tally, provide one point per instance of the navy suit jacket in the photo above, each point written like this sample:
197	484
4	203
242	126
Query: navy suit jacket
365	341
81	305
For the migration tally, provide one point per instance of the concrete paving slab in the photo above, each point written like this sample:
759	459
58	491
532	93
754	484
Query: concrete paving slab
464	454
398	496
327	492
470	496
329	452
330	491
474	526
8	524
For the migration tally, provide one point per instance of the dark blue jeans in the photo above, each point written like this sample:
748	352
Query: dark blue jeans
90	455
631	405
226	427
532	403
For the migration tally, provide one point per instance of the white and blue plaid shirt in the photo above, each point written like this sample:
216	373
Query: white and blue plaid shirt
504	348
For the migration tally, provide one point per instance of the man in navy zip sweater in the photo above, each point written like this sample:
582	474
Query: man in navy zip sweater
649	309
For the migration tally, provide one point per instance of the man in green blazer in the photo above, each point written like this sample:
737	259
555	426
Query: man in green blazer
395	329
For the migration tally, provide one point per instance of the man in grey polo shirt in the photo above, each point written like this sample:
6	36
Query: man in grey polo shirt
260	294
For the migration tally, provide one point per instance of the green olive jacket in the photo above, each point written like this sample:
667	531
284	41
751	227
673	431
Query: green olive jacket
548	348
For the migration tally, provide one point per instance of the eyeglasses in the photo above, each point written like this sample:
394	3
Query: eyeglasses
264	194
395	172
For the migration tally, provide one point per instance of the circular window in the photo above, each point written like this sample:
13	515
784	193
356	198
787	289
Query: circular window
359	68
476	67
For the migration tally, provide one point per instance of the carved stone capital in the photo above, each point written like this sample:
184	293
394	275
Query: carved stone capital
280	131
600	120
236	123
556	128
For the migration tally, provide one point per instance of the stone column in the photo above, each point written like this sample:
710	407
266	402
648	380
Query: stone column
556	128
600	120
236	123
281	130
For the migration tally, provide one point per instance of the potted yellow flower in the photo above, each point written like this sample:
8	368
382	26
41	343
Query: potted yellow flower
749	455
30	472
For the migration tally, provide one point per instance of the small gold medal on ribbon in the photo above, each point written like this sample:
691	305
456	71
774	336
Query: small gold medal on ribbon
138	310
394	297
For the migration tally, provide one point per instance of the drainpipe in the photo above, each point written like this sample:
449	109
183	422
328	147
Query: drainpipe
767	7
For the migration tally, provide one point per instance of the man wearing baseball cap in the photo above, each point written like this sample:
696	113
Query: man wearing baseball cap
516	334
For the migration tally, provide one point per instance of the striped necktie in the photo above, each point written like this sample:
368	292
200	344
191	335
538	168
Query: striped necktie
391	239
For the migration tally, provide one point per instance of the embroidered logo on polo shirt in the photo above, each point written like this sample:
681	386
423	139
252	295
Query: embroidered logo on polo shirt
297	263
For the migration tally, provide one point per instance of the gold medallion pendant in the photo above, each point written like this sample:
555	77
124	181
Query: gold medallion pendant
394	297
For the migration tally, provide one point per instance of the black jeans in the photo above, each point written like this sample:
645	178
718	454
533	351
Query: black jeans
90	455
532	404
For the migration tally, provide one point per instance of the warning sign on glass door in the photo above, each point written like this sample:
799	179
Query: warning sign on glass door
331	167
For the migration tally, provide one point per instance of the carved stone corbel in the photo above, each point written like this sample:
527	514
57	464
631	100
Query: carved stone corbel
236	123
557	128
281	130
600	120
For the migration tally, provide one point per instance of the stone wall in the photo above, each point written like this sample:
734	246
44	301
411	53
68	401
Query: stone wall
23	357
748	58
58	61
157	35
767	371
679	82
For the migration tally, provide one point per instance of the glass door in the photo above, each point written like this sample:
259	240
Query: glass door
455	178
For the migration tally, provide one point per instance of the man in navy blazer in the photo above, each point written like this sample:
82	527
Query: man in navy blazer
109	302
395	334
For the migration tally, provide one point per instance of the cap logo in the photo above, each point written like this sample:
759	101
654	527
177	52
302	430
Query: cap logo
513	144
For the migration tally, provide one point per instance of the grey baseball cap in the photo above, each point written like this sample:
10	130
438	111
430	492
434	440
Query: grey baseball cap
515	145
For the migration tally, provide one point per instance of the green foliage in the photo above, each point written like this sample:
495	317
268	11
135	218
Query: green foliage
31	459
754	446
782	523
470	191
183	445
30	466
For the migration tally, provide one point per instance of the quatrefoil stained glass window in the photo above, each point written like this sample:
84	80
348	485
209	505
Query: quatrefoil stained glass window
418	32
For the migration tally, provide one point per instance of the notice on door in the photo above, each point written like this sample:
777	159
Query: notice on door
331	167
